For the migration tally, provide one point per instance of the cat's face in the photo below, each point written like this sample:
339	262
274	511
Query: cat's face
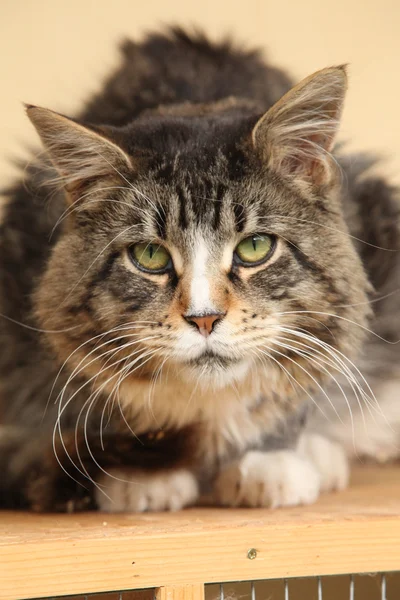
208	266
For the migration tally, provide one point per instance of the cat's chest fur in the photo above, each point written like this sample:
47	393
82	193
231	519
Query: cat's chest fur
226	421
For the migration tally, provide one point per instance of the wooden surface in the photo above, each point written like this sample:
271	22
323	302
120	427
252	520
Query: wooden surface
181	592
355	531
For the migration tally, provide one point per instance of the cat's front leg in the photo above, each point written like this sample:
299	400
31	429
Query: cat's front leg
130	490
115	472
284	477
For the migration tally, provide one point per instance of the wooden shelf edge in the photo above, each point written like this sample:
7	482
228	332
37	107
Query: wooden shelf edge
357	531
84	566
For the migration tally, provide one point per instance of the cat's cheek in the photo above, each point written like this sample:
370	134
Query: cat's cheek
268	479
127	490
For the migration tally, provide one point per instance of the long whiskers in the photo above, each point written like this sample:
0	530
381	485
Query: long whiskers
308	374
148	356
63	407
84	361
153	383
308	351
317	312
336	354
134	325
343	365
90	403
266	352
37	329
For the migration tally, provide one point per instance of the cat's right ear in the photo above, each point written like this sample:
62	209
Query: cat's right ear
295	137
79	153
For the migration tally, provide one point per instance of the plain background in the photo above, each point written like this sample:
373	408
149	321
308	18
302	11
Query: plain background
55	53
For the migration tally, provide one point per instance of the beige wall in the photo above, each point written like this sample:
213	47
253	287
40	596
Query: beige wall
54	52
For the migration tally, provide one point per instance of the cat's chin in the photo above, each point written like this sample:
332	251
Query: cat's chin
216	371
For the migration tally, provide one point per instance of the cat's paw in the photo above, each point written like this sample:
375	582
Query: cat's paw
126	490
328	457
271	479
379	449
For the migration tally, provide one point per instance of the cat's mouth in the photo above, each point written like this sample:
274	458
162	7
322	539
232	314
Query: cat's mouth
218	370
212	359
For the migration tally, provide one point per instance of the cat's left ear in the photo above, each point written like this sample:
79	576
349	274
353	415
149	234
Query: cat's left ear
79	153
295	137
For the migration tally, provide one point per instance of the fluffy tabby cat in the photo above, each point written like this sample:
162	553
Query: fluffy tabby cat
204	272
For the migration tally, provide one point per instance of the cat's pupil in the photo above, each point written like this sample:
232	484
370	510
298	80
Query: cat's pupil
151	251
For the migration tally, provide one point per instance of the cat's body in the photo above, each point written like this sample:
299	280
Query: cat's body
372	208
198	400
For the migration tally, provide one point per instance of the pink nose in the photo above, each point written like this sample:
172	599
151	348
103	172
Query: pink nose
206	323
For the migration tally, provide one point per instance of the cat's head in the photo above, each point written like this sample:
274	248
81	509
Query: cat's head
207	241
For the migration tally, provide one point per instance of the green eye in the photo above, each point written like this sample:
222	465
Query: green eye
150	257
254	250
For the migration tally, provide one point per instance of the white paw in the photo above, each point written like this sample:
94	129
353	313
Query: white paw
329	459
133	491
270	479
379	450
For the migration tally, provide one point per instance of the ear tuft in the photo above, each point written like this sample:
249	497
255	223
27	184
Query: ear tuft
296	135
78	152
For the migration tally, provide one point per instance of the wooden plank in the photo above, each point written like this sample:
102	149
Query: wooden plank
355	531
181	592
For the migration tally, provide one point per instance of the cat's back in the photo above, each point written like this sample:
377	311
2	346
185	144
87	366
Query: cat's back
177	67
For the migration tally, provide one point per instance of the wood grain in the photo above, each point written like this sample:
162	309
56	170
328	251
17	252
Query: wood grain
355	531
181	592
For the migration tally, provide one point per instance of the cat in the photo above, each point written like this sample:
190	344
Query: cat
183	289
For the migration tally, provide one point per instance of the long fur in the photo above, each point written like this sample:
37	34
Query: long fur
192	144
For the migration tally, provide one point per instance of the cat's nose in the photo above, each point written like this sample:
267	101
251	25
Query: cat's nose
204	323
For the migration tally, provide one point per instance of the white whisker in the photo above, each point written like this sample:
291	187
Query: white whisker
283	368
313	379
316	312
